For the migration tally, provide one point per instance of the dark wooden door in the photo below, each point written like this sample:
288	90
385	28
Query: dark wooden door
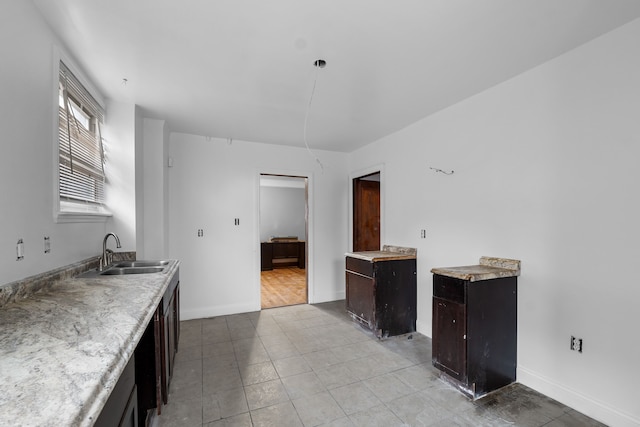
366	215
449	337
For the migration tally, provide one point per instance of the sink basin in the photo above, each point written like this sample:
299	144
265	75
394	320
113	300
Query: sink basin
137	264
129	267
131	270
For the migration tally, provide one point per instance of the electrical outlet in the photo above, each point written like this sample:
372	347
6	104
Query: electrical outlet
423	234
576	344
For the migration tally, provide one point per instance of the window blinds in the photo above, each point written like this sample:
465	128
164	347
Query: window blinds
81	155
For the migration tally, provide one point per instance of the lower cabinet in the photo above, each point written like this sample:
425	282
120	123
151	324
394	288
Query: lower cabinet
155	353
144	383
121	409
474	336
170	331
382	295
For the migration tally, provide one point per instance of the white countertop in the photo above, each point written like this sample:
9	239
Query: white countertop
62	349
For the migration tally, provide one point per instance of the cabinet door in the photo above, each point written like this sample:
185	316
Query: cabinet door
361	298
121	407
171	337
158	337
449	338
176	316
169	345
130	415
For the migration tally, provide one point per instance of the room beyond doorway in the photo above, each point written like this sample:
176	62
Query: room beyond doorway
283	286
283	240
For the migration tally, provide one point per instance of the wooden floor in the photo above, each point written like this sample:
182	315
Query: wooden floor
283	286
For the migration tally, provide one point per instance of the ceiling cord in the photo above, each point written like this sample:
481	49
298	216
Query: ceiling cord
306	117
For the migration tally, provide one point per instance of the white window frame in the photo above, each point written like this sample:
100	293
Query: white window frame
63	211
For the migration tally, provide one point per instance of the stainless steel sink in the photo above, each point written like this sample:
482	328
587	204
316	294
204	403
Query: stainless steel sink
129	267
131	270
137	264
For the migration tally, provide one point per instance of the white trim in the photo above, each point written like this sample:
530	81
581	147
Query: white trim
587	405
213	311
309	238
282	181
59	54
423	328
357	174
70	217
73	212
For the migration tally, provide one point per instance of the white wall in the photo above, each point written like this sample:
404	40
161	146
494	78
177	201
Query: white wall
152	179
282	212
119	135
546	171
27	120
210	184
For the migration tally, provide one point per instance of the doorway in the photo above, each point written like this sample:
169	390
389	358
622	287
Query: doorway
283	240
366	213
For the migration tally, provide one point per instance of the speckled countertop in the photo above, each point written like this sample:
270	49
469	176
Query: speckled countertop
62	349
388	253
488	268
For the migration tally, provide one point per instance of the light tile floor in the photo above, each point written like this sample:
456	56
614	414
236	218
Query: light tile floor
310	365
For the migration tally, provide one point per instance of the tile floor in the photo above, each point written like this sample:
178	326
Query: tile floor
310	365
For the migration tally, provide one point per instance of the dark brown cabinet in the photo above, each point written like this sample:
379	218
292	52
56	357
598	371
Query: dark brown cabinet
121	410
155	353
474	332
282	254
381	295
170	331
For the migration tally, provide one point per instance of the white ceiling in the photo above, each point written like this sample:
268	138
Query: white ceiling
243	69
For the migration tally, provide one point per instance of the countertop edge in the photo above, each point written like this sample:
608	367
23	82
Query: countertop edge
488	268
112	376
83	409
394	257
476	277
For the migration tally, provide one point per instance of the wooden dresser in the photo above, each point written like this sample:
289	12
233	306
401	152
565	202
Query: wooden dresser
286	252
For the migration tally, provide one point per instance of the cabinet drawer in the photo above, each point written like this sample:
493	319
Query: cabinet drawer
360	266
449	288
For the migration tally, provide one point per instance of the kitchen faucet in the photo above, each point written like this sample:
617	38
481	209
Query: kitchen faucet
107	254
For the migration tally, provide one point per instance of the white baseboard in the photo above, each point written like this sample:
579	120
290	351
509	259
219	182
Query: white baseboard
423	328
589	406
337	296
203	313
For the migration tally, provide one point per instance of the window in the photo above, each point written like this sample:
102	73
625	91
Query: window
81	177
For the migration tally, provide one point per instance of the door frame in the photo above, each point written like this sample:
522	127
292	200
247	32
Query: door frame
359	174
309	230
